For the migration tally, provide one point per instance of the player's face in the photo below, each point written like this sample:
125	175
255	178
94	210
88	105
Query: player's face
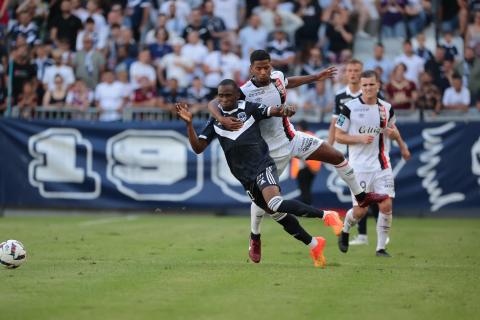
353	72
369	88
261	70
227	96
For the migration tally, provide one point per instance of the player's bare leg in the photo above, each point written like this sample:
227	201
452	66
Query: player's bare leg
328	154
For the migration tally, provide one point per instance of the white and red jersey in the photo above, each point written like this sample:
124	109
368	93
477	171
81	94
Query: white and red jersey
276	131
357	118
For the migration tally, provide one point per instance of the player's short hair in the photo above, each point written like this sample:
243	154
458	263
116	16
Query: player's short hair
229	82
259	55
355	61
369	74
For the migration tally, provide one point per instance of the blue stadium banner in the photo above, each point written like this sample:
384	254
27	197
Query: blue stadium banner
148	165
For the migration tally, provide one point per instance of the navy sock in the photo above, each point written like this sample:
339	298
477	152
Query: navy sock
300	209
293	227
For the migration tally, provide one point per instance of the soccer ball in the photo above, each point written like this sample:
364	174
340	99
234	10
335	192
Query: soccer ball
12	254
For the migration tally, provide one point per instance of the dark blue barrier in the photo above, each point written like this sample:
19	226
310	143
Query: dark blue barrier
149	165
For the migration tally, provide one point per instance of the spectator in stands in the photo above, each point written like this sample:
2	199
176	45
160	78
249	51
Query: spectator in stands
66	51
94	13
195	51
232	12
23	70
160	47
41	60
401	92
25	27
314	64
197	25
174	65
143	68
281	52
435	66
456	97
28	99
57	96
469	68
145	95
416	15
414	64
310	12
318	101
89	31
453	15
173	94
182	9
124	81
89	63
175	23
451	51
339	35
138	12
65	25
343	7
219	65
379	60
392	13
252	37
79	96
429	96
271	13
472	37
197	96
58	68
422	51
215	25
110	97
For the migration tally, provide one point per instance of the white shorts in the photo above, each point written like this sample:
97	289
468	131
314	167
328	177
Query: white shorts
378	181
301	147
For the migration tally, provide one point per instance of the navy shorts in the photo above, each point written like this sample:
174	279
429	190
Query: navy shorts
266	178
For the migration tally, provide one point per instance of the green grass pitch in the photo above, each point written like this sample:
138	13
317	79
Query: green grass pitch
196	267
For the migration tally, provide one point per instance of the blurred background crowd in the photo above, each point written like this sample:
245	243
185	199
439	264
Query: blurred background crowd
112	55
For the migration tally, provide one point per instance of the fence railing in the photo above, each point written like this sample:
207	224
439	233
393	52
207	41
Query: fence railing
156	114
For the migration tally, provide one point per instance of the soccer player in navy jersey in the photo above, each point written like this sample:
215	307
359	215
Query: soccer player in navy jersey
249	161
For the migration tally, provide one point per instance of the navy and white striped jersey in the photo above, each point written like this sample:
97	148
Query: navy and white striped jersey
246	152
343	96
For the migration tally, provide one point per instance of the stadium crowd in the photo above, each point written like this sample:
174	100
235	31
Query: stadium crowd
112	54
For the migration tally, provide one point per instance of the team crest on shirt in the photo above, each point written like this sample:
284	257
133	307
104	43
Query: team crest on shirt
242	116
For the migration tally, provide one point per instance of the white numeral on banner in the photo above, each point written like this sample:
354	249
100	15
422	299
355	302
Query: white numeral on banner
61	156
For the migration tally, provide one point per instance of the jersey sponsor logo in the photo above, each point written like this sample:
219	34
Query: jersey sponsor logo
369	130
256	93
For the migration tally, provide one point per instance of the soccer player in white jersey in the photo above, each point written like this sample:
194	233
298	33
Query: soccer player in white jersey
364	124
269	88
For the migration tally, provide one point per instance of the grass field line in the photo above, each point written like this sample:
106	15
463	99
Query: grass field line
95	222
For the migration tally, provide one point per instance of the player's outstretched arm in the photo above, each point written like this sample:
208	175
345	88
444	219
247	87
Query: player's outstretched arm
198	145
297	81
345	138
229	123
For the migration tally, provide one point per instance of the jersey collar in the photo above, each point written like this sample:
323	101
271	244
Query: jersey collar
353	94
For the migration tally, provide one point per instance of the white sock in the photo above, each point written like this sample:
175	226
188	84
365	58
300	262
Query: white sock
362	237
313	244
256	217
346	173
349	222
384	223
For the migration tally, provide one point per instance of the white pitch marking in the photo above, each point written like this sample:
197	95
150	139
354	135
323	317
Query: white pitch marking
95	222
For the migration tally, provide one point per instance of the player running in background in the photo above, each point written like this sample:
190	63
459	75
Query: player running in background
249	161
353	70
364	124
269	88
